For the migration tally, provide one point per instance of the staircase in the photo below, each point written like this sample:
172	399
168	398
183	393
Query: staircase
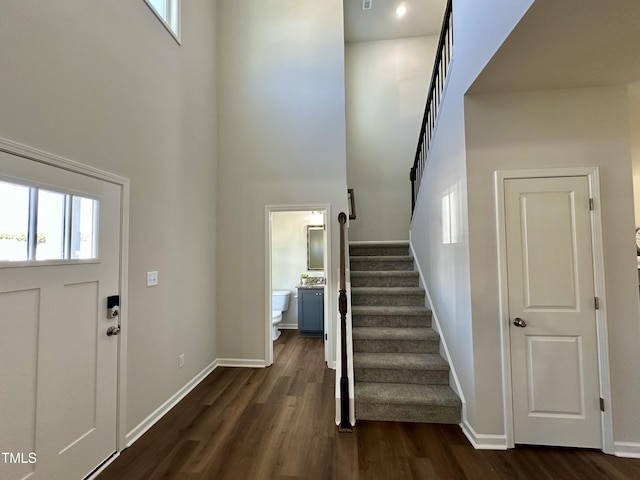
399	374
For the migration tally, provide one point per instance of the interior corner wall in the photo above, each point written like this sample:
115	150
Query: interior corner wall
479	30
586	127
386	90
634	124
281	142
104	84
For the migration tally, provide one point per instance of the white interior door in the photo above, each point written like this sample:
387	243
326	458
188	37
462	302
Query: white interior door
59	367
554	362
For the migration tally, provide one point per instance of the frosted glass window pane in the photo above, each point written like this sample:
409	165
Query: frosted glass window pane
50	228
83	237
14	222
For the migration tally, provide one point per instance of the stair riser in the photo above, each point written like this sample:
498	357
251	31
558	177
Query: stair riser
360	250
401	321
408	413
396	346
394	375
387	299
400	281
378	266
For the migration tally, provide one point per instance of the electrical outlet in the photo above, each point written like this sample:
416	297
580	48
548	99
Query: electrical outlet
152	279
181	361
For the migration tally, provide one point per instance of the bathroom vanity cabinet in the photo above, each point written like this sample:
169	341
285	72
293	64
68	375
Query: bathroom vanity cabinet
311	312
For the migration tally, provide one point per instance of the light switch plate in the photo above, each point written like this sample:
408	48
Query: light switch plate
152	279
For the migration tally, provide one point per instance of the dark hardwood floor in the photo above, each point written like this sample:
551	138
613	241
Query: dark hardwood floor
278	423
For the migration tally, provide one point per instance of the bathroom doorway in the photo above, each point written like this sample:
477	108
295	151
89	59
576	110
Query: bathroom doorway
298	252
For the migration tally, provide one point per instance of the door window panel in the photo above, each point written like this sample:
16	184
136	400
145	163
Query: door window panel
83	227
14	222
50	230
42	225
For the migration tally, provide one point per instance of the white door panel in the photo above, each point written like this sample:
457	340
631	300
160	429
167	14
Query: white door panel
550	277
61	365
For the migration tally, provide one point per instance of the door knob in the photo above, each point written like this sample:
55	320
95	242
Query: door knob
111	331
518	322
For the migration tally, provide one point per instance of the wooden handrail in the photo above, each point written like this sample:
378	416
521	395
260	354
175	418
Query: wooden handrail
351	195
345	423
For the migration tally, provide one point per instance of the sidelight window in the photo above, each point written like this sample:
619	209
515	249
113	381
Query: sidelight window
37	224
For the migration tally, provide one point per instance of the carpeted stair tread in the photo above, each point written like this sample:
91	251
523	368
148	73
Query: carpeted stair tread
384	278
401	361
399	243
386	248
381	258
384	273
394	333
387	290
406	394
391	310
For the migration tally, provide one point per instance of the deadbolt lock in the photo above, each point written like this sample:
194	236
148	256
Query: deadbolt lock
113	307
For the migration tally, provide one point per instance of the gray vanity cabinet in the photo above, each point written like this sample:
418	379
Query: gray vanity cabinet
311	312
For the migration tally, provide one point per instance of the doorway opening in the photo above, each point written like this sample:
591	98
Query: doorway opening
298	258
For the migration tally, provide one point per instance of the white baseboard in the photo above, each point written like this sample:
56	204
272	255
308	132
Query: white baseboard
103	466
626	449
240	362
481	441
163	409
288	327
454	383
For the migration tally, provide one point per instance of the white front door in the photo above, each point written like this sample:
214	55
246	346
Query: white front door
554	359
59	367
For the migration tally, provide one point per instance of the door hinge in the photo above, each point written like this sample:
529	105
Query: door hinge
326	336
591	207
601	404
596	303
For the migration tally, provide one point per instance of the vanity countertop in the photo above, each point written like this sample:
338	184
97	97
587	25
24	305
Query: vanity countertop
311	285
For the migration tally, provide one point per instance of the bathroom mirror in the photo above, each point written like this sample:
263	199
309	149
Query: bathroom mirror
315	247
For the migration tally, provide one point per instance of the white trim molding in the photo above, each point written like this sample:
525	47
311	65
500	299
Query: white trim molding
329	331
482	441
288	326
593	177
163	409
454	382
241	362
626	449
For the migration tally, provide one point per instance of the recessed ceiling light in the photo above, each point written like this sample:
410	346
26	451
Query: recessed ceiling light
401	10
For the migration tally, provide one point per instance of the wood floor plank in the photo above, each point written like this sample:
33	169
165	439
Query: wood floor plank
278	423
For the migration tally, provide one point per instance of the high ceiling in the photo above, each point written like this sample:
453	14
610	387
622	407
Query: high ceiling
423	17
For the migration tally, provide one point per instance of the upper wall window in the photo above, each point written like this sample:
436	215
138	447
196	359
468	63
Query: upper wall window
168	11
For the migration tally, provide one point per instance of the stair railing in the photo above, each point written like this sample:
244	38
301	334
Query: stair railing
344	414
434	98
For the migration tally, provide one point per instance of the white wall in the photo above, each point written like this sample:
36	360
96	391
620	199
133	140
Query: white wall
289	258
564	128
479	30
282	142
104	84
386	91
634	124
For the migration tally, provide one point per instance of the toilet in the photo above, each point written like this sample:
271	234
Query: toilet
279	304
